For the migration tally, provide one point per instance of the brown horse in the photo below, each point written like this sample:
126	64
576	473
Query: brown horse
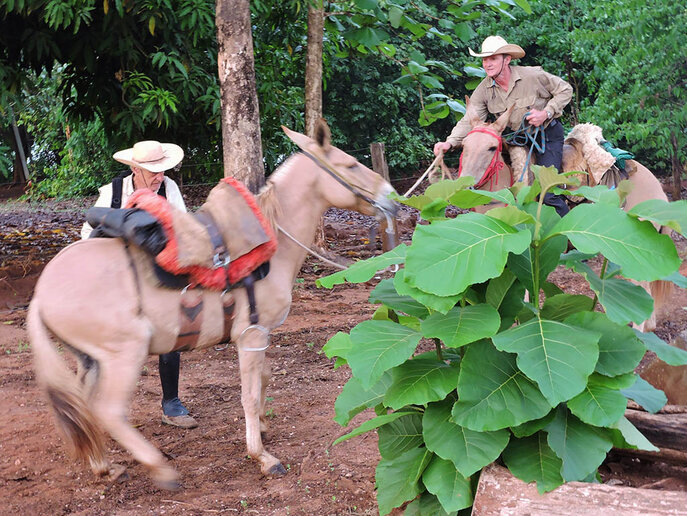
482	157
92	298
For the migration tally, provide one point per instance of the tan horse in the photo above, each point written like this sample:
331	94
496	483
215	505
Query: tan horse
482	148
482	156
88	297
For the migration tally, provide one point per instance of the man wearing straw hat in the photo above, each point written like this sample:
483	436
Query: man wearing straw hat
148	161
539	97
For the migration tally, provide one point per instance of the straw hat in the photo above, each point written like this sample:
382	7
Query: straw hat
151	156
494	45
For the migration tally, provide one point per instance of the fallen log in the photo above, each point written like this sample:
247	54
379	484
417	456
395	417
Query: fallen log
663	430
499	493
666	455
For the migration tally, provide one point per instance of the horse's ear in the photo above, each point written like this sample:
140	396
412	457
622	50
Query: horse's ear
502	121
473	118
323	135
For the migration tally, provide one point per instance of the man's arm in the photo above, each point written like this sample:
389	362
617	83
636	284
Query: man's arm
561	91
104	201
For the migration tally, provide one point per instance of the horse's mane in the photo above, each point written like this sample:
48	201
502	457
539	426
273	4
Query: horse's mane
269	204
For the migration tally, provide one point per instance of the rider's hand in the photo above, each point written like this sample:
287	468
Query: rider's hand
441	147
537	117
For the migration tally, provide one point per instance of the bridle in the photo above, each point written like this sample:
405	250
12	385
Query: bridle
491	175
356	190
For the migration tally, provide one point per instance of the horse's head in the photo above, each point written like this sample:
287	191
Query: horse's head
482	146
340	179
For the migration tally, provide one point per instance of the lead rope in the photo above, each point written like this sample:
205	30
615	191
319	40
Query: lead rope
316	255
523	136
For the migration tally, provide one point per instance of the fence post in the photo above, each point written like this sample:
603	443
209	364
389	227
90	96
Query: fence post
380	166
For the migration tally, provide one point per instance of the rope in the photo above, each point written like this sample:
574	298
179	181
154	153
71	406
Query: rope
334	264
439	157
523	136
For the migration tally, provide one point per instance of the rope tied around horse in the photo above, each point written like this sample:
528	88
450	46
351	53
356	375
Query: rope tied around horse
525	135
491	175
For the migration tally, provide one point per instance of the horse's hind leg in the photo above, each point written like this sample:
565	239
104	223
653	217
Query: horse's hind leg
252	365
266	375
115	388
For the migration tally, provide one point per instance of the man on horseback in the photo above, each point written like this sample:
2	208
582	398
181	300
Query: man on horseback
148	161
539	99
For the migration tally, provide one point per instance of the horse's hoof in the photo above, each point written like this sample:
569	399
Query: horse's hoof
168	485
166	478
277	470
117	473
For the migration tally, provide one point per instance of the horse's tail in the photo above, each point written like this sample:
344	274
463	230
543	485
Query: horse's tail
73	417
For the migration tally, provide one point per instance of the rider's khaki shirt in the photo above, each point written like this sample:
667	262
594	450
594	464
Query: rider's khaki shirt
529	87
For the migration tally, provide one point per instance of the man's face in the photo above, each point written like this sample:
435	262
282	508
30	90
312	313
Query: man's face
493	65
149	180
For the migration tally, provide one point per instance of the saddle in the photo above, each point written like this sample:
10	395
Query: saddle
226	244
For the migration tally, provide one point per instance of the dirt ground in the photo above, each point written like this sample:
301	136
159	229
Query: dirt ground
38	477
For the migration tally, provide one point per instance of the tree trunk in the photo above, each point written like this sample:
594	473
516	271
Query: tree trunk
313	68
313	91
241	139
677	172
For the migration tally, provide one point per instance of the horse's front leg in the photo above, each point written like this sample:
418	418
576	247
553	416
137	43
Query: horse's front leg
252	364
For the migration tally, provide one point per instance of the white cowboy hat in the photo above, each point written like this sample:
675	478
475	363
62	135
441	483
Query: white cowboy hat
494	45
151	156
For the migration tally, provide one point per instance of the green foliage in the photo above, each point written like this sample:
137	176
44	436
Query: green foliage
542	383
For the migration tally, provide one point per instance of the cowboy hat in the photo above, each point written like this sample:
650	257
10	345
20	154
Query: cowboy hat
494	45
151	156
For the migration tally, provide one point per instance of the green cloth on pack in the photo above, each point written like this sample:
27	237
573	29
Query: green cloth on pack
620	155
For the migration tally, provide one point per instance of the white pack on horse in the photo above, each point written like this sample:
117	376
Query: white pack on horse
99	299
483	159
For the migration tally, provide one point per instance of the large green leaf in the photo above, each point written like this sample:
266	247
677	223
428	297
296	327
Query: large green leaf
420	381
558	356
468	450
599	403
620	351
462	325
446	257
363	270
561	306
532	427
371	424
631	437
439	303
673	214
398	436
623	301
549	254
511	215
385	292
671	355
581	447
397	479
377	346
532	460
353	399
338	346
506	294
643	254
648	396
493	392
451	488
467	199
426	505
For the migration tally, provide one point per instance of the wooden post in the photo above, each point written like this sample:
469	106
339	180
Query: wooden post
380	166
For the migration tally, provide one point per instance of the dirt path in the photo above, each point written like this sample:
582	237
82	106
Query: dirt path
38	477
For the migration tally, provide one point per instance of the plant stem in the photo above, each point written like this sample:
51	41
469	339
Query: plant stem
437	344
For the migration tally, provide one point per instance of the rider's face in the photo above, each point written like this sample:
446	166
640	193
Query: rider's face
494	65
146	179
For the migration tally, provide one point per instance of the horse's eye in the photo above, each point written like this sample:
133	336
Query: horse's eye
492	149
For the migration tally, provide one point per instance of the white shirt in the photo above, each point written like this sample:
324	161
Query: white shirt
105	200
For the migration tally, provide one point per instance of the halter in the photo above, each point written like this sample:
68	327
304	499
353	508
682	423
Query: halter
492	172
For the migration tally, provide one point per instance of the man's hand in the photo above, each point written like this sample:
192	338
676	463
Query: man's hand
537	117
441	147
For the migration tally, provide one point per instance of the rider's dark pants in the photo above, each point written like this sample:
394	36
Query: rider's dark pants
553	156
169	374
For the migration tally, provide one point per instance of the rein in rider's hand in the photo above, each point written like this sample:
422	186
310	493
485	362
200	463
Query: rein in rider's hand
537	117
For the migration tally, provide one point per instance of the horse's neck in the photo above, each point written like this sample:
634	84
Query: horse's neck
301	209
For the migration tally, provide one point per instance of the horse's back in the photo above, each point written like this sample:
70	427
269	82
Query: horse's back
645	185
88	288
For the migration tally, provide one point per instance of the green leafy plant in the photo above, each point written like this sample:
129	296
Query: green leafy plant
462	369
